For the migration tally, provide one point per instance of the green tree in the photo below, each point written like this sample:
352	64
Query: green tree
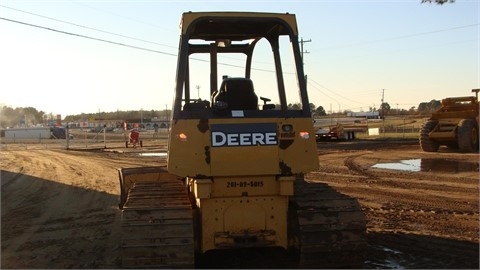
434	105
7	117
428	107
385	107
320	111
10	117
296	106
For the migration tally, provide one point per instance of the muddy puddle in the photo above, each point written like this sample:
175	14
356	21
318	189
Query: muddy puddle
161	154
430	165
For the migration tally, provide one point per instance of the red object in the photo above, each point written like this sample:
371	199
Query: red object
133	136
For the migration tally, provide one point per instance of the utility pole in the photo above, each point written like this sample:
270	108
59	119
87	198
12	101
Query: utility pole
331	114
383	111
302	52
301	47
166	117
198	90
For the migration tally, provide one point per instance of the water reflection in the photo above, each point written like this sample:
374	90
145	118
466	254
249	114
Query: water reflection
164	154
430	165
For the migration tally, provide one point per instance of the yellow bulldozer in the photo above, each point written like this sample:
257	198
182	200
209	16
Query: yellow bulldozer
454	125
236	166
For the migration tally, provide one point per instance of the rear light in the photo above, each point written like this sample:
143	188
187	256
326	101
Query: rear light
304	135
182	137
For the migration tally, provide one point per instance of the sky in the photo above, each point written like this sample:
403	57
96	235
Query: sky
72	57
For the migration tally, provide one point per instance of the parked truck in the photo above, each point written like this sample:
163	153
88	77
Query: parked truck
454	125
339	132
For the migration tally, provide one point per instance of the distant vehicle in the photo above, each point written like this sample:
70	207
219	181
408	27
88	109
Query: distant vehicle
133	139
455	125
322	134
58	133
368	115
338	132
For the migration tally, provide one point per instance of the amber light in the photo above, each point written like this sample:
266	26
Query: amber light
304	135
182	137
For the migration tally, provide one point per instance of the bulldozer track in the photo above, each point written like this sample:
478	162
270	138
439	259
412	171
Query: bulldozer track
331	227
157	226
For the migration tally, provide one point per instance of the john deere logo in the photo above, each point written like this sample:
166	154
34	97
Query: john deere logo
244	134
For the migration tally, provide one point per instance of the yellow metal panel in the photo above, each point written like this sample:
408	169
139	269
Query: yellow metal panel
250	160
241	214
246	185
203	188
191	152
244	147
300	153
245	216
187	153
286	185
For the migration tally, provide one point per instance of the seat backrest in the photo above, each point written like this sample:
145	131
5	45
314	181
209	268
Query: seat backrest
238	93
196	105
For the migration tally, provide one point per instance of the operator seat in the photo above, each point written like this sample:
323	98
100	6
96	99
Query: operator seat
237	93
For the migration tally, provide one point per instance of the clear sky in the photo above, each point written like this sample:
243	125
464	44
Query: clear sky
51	57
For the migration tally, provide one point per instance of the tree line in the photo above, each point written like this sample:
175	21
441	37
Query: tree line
29	116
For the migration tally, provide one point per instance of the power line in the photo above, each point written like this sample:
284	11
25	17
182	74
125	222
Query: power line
120	44
124	36
323	93
123	17
316	86
87	27
402	37
334	92
87	37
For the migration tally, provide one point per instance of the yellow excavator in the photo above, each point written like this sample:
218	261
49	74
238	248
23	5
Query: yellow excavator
237	160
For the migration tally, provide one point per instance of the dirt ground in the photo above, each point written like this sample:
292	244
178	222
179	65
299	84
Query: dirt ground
59	207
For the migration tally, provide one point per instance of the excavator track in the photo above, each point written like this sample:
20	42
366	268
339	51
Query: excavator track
157	226
331	227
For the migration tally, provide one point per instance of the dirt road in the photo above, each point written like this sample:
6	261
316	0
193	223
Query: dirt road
59	208
425	215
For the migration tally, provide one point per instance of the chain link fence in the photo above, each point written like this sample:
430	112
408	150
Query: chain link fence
86	139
